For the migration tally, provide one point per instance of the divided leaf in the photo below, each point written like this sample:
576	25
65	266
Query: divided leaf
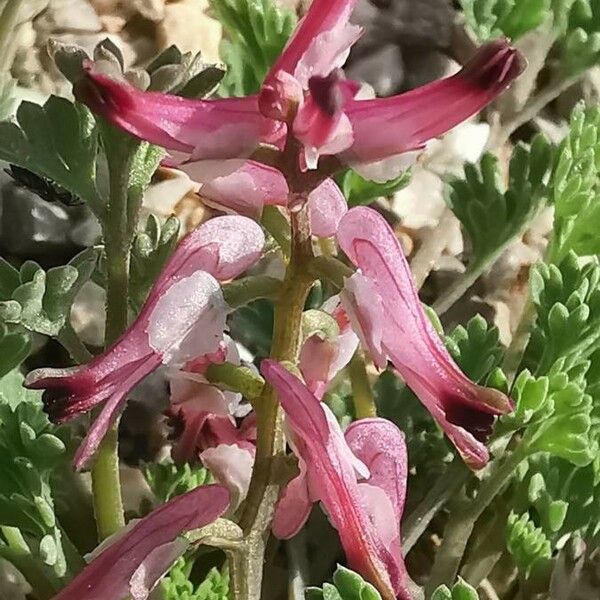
257	31
512	18
492	214
41	302
574	187
57	140
567	302
476	348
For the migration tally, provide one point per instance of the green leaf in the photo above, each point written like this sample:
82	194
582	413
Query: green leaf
42	302
176	585
58	141
15	345
512	18
574	188
168	480
567	302
476	348
12	392
461	590
492	214
30	451
360	191
151	249
556	415
579	23
257	31
347	585
527	544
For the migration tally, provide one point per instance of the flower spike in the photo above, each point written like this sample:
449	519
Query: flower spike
383	304
183	317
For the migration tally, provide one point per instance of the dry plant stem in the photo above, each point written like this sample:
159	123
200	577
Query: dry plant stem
534	105
514	353
432	248
461	522
258	510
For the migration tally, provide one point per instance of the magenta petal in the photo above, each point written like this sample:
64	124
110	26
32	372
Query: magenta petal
332	480
325	52
326	205
205	129
380	445
463	409
248	190
389	126
116	573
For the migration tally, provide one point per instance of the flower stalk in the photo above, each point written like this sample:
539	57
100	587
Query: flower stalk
258	510
106	484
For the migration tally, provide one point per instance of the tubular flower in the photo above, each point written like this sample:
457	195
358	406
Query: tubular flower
305	95
133	564
183	317
360	502
382	302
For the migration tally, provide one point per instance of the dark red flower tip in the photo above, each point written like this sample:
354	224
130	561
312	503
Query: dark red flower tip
331	93
495	65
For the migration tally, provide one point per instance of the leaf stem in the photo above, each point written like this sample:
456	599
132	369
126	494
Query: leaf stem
362	393
461	522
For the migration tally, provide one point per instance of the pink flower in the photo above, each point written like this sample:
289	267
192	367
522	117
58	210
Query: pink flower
134	563
205	425
183	317
384	307
305	95
361	500
321	359
253	186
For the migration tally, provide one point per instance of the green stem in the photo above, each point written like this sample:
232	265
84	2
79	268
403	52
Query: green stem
330	269
462	520
237	379
106	485
243	291
444	488
362	393
258	509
